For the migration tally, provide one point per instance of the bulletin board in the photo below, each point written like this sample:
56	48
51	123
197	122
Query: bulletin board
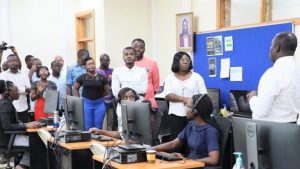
250	51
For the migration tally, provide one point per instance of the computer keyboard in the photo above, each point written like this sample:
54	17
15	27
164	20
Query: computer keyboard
100	137
167	156
42	124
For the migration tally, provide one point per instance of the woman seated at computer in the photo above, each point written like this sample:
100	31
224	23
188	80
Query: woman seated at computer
9	120
199	134
125	94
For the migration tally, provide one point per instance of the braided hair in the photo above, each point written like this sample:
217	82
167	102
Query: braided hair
5	87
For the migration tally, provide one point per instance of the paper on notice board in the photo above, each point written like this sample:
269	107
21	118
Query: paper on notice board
210	46
225	66
228	43
212	67
236	74
218	45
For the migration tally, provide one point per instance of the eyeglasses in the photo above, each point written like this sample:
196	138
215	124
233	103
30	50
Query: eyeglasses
185	60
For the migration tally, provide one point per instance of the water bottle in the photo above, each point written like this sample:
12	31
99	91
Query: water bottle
239	161
55	119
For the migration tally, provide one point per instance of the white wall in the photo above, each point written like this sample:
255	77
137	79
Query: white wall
125	21
204	19
285	9
245	12
47	28
35	30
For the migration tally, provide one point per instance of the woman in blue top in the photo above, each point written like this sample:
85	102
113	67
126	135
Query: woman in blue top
95	87
199	135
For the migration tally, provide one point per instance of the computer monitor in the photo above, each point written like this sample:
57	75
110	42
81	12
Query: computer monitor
136	122
74	113
239	104
51	101
214	95
268	144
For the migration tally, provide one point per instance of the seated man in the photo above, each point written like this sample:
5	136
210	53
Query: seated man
127	94
9	121
199	134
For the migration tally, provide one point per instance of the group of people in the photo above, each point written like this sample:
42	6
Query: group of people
191	125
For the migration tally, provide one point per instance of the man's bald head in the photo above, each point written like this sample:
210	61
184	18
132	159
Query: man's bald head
283	44
60	60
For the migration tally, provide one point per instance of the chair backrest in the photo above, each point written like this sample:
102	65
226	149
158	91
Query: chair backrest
224	130
163	108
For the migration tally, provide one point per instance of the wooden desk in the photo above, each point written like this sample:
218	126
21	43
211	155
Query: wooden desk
159	164
86	145
37	149
75	155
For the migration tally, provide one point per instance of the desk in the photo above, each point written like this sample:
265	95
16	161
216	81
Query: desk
159	164
37	149
75	155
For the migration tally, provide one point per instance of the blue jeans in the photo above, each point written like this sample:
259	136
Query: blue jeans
94	113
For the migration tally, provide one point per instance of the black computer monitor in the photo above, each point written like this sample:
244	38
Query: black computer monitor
74	113
136	122
214	95
270	144
239	104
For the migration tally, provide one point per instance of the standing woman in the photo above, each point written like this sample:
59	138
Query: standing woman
181	85
37	92
95	87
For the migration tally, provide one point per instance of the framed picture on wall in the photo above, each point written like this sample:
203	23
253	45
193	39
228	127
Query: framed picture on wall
184	31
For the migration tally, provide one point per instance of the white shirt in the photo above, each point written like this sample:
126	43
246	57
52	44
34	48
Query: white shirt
61	87
278	96
21	80
187	88
135	78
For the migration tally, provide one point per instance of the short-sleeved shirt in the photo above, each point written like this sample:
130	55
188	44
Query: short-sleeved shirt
187	88
201	139
93	86
50	86
108	98
72	73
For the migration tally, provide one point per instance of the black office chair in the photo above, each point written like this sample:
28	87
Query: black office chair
225	143
10	150
164	134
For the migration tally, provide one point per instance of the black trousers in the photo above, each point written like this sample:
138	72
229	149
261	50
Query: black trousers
177	124
24	116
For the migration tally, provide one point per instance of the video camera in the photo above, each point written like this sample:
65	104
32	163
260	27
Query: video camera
4	46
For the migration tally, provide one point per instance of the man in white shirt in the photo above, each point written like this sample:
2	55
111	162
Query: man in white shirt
60	80
60	60
278	96
21	80
130	76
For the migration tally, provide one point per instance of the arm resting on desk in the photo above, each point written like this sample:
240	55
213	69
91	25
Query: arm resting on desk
114	134
212	159
168	146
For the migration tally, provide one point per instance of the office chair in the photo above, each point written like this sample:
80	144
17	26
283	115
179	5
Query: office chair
224	125
10	150
164	134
